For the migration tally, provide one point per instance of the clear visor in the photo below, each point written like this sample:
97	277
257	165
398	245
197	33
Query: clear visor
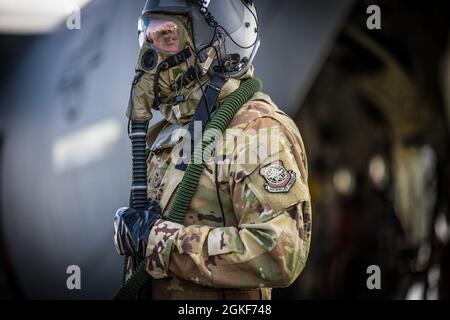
164	34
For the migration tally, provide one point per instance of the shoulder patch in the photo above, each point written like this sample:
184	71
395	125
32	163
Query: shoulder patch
278	184
277	177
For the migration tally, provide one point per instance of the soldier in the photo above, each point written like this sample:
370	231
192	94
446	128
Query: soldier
247	227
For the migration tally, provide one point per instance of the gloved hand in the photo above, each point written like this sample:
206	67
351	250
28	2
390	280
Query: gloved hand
132	228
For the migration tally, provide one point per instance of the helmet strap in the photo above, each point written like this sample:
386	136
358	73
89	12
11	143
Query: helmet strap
205	107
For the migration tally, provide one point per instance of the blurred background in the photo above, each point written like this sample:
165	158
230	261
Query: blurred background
373	107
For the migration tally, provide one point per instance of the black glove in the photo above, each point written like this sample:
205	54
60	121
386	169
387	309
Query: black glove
132	228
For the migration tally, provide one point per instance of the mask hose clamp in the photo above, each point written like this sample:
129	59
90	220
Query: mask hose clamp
168	63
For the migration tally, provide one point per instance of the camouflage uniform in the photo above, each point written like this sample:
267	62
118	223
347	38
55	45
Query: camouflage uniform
262	238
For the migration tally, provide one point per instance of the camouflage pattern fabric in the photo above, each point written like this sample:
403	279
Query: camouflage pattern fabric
260	238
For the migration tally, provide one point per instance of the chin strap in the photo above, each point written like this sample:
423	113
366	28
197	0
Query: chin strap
204	109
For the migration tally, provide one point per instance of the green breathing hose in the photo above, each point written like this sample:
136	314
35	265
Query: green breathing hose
194	170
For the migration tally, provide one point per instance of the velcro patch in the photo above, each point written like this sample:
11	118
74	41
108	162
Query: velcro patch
278	178
278	184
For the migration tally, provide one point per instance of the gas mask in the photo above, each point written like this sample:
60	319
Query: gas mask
169	75
164	58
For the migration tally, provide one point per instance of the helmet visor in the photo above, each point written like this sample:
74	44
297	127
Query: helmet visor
163	33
